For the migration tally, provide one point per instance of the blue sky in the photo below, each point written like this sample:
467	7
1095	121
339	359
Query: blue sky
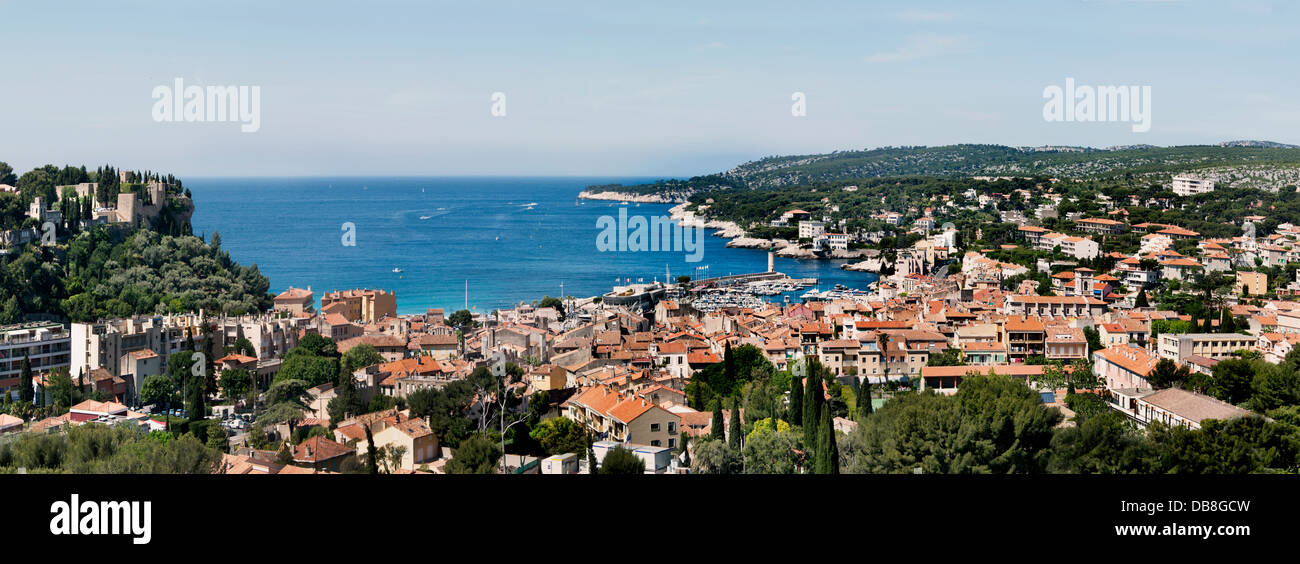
662	88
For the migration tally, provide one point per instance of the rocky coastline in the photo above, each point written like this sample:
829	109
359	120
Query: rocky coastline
625	197
739	239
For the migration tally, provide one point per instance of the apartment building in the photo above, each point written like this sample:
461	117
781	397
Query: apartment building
624	418
1080	247
977	353
296	301
1032	234
1190	185
835	241
1066	344
1025	337
412	435
898	360
138	347
1101	226
840	356
1217	346
1251	283
946	379
1055	306
811	229
109	345
1173	407
271	337
1123	366
361	306
45	344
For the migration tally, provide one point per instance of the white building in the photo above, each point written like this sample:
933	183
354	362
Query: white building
836	241
44	344
811	229
1190	185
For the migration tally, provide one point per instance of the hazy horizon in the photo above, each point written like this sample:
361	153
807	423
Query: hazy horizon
669	90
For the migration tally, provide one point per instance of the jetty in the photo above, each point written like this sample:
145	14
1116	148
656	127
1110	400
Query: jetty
740	279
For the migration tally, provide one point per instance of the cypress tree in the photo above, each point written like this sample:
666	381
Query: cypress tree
733	440
796	400
728	367
828	455
372	453
591	456
812	402
716	431
686	450
1226	323
864	402
25	380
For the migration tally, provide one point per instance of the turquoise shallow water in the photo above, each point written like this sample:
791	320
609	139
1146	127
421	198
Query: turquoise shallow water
443	232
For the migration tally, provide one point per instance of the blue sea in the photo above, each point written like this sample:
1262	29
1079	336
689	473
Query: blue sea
508	239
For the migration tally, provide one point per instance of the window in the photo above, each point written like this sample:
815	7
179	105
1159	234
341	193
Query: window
654	443
672	443
672	428
654	427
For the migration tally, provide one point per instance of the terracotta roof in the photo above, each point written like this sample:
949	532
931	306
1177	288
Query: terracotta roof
240	358
294	294
1132	359
1193	407
1000	369
318	449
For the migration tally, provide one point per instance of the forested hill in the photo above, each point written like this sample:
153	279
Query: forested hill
1234	158
97	267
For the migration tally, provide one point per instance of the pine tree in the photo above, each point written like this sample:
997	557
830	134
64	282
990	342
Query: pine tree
716	431
733	439
796	401
1141	300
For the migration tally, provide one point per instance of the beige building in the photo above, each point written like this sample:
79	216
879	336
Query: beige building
1066	344
624	418
410	434
1173	407
362	306
110	344
1176	347
1252	283
296	301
